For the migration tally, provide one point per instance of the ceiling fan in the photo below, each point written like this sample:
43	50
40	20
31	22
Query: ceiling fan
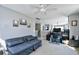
43	8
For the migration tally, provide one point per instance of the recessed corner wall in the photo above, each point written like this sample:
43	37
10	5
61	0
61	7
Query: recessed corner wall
6	24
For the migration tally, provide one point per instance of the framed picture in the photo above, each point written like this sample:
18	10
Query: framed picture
46	27
23	22
15	23
74	22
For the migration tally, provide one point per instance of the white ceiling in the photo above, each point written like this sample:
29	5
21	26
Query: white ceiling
30	10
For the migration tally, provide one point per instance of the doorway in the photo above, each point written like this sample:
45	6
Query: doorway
38	29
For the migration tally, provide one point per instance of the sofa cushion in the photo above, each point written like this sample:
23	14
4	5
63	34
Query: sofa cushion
34	42
14	41
19	48
28	38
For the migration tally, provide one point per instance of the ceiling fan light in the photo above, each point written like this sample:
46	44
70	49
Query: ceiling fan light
41	5
42	10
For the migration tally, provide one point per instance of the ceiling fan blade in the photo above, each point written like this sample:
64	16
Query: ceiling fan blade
51	9
39	9
34	6
37	12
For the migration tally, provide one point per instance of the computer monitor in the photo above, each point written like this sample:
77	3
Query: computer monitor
57	30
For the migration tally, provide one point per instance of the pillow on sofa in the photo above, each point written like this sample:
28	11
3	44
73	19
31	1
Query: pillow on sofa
35	37
28	38
14	41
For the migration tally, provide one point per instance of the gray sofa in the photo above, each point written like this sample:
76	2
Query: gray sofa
22	45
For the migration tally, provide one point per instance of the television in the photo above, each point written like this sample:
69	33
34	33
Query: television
57	30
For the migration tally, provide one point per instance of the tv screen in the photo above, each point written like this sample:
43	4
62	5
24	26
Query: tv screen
57	30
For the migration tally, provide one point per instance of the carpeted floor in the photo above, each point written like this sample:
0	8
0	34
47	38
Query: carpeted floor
54	49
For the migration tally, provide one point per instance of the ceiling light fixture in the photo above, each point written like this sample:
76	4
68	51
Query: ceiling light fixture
41	5
42	9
